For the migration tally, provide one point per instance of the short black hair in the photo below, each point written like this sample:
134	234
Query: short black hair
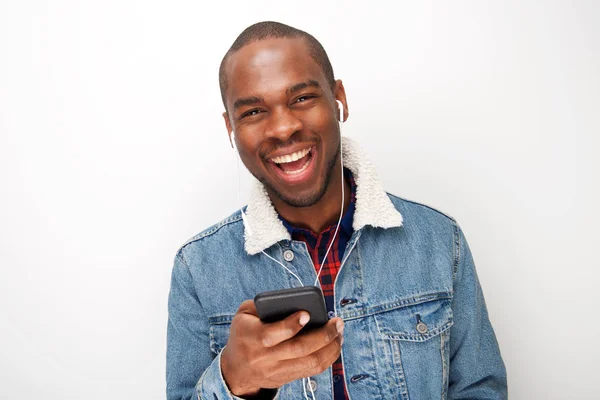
271	29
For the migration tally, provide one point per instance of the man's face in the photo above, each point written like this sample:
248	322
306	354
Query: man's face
284	115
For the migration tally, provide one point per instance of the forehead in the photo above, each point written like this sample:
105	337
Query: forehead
270	66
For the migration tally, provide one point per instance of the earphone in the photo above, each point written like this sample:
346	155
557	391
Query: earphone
244	218
249	230
341	109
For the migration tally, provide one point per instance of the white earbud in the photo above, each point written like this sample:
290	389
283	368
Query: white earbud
341	107
233	140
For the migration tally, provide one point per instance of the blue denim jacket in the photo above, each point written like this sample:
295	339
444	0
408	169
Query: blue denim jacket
416	324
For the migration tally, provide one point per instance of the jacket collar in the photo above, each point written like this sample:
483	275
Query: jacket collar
263	228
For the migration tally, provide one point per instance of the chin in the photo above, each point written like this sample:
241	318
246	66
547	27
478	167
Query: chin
294	200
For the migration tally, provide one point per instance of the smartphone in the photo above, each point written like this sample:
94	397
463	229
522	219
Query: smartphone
279	304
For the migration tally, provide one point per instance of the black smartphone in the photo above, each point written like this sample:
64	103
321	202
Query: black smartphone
279	304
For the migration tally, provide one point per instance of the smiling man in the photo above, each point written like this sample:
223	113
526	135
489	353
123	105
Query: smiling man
407	314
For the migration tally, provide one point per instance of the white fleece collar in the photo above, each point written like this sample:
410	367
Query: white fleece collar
373	206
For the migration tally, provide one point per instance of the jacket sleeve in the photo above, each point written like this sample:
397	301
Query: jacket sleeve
476	367
193	371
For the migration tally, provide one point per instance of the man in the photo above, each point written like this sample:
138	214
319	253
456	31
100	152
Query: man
408	318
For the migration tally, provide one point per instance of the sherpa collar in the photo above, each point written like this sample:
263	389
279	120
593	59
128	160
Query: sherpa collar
373	206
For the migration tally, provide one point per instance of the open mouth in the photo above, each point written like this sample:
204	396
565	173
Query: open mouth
295	168
295	163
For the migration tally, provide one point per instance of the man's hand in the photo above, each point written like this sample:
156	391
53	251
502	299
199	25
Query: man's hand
260	355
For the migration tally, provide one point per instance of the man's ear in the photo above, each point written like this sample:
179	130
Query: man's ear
340	94
229	128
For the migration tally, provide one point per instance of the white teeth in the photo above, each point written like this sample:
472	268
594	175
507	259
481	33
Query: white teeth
288	158
298	170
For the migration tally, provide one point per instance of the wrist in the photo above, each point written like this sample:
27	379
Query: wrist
232	384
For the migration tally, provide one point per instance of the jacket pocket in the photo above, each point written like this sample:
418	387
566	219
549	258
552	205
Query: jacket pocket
417	322
219	332
414	339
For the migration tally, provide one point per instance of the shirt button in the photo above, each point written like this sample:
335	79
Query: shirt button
336	378
421	327
288	255
311	384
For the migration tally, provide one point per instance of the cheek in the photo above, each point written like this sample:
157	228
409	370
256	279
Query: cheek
320	122
250	136
247	140
248	151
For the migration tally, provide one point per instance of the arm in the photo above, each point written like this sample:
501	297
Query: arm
193	371
476	367
257	355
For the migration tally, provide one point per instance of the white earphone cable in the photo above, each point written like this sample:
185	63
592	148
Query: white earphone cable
305	381
341	210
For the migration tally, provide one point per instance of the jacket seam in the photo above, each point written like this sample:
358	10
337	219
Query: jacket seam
423	205
181	258
457	251
374	310
211	231
443	339
221	319
413	337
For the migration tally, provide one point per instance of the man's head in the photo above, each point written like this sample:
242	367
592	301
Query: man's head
280	97
276	30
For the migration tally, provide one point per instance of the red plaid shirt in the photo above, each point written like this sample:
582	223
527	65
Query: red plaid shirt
317	246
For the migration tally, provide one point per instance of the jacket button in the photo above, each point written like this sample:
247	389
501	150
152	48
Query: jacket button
421	327
288	255
311	384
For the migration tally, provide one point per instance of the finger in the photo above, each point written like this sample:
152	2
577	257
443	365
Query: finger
310	365
310	342
276	332
248	307
246	320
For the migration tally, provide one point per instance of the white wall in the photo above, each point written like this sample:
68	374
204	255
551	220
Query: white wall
113	153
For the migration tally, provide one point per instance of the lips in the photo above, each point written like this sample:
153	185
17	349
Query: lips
295	167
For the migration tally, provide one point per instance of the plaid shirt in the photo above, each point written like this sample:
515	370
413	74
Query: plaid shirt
317	246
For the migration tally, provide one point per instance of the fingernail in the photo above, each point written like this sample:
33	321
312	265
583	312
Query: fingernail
340	327
304	318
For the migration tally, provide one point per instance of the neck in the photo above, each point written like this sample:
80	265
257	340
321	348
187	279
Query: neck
323	213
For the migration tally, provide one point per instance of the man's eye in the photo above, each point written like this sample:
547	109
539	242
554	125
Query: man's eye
303	98
250	113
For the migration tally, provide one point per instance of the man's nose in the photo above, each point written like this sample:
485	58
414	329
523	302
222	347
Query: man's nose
283	124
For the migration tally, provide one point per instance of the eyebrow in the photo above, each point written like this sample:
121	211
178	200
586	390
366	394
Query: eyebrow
246	101
303	85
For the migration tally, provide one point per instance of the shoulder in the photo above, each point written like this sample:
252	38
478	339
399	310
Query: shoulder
231	225
430	228
421	220
416	208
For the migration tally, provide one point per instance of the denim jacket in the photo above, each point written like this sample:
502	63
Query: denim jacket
416	324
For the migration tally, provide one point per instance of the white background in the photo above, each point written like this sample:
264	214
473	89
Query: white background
113	152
